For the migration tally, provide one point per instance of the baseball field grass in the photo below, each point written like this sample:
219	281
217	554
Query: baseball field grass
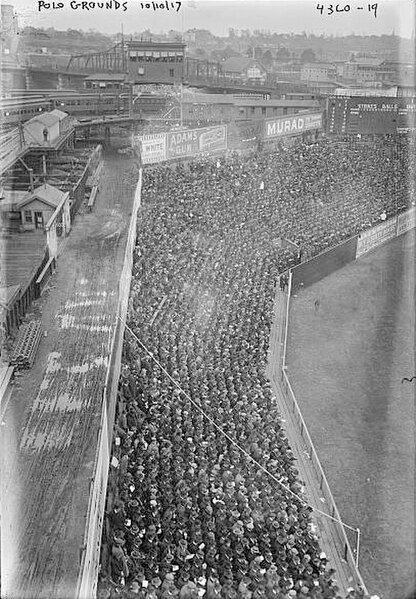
348	357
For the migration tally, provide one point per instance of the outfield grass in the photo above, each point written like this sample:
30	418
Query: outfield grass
346	362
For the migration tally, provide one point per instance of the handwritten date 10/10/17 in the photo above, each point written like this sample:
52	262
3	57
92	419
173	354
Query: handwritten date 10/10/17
331	9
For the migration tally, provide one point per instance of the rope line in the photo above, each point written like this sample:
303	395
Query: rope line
230	439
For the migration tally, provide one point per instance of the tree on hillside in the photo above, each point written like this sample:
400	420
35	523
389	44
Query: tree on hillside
282	54
267	58
308	55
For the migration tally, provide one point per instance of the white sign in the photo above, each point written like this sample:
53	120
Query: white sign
406	221
153	147
376	236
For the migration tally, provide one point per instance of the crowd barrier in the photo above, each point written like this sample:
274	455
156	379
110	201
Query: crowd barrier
340	535
324	264
306	274
78	192
340	531
90	552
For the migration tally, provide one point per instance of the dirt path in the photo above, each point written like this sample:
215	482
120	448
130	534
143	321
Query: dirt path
49	439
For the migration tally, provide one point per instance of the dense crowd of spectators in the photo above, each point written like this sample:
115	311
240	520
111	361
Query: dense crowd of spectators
193	515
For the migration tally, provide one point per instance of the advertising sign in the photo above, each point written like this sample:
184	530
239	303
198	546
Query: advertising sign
195	141
406	221
153	147
292	125
376	236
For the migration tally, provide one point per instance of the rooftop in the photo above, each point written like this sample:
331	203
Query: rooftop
16	199
140	44
106	77
238	64
22	254
48	118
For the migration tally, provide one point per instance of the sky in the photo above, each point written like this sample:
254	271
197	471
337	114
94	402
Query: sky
282	16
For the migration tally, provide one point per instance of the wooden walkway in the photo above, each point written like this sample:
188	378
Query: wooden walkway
49	442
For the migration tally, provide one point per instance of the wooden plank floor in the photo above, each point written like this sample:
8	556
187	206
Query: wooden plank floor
21	255
49	440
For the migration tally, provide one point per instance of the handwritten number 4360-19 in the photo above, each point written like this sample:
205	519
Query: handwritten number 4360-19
330	9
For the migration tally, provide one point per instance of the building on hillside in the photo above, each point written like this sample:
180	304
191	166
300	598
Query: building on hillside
244	70
155	62
323	88
46	128
318	71
376	73
362	71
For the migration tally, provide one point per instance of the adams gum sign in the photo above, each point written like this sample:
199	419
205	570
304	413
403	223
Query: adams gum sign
292	125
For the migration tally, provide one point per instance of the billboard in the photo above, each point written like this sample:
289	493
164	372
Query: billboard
406	221
291	125
153	147
195	141
375	115
376	236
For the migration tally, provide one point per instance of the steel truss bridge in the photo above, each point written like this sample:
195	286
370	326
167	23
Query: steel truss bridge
197	73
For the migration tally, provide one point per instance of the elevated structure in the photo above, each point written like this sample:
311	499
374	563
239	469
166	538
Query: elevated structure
112	60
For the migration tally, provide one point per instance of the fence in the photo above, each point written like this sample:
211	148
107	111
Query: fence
90	553
339	530
18	308
327	262
306	274
78	192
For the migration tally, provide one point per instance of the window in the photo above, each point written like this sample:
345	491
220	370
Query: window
252	109
28	216
171	73
263	110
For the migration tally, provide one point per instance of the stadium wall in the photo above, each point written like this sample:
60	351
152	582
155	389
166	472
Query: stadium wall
347	541
90	553
324	264
339	540
312	271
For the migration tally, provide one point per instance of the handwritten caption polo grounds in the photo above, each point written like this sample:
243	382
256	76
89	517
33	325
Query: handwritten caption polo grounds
167	5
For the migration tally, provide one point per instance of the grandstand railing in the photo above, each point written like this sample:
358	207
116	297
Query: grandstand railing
364	242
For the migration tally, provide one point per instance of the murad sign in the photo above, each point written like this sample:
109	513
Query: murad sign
292	125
